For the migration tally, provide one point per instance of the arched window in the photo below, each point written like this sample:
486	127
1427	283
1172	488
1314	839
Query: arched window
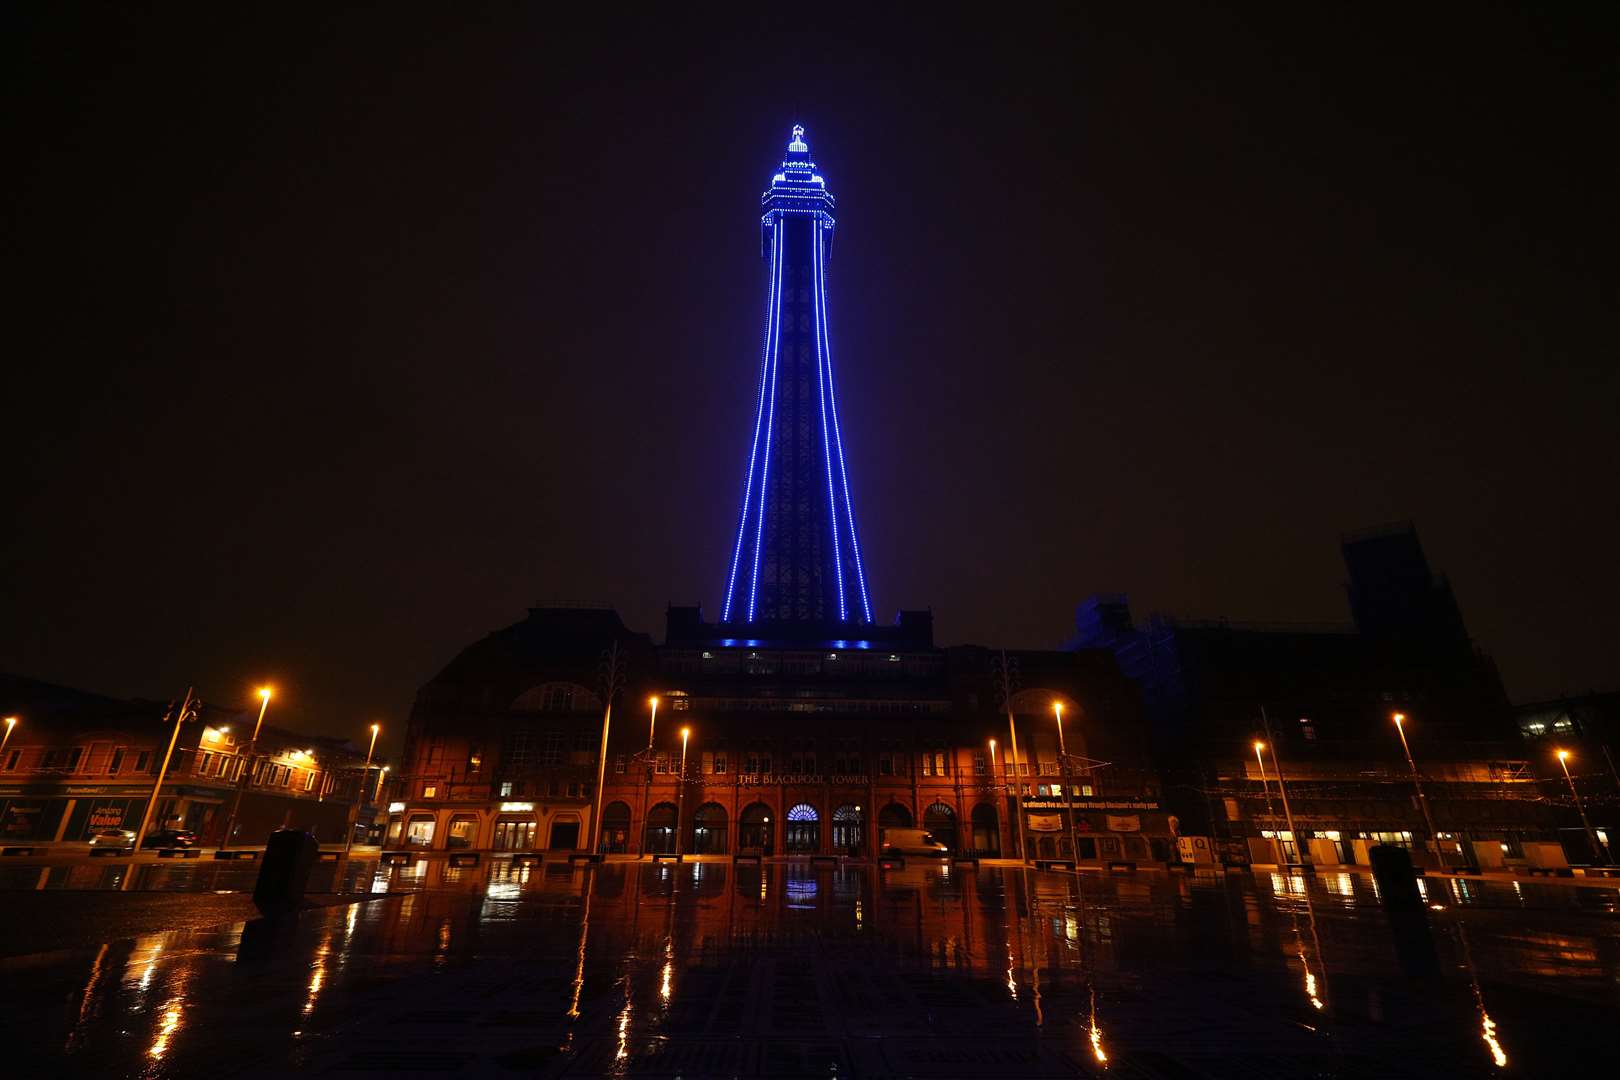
557	697
709	830
803	830
754	829
940	820
894	816
986	830
660	836
848	833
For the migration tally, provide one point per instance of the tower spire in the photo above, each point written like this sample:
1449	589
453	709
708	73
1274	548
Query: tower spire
797	555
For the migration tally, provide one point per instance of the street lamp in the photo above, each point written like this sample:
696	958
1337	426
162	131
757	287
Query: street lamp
382	773
652	724
1282	789
264	693
365	776
680	792
1423	800
1271	811
1068	788
1598	851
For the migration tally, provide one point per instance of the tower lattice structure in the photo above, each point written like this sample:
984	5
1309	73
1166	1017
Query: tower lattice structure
797	555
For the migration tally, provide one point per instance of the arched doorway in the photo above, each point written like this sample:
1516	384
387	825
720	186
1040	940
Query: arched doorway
986	830
754	829
660	838
709	830
848	830
894	815
803	830
940	820
616	827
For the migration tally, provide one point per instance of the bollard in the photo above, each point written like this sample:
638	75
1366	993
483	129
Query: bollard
284	872
1408	918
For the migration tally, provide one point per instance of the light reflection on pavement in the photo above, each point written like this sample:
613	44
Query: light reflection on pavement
709	969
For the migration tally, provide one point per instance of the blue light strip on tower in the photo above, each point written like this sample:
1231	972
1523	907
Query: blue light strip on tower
759	415
817	256
770	423
838	440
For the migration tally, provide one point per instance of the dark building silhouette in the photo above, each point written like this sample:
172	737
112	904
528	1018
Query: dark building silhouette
1322	698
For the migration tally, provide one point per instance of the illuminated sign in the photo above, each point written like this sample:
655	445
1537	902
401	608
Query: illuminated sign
516	807
396	808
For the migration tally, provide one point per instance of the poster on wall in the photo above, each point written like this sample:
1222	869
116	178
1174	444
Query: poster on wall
1124	822
1045	823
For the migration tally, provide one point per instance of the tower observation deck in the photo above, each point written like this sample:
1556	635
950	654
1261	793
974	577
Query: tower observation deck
797	554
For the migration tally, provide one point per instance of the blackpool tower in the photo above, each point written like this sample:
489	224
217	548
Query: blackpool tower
797	555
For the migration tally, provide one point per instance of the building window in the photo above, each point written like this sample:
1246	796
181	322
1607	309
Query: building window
551	748
11	760
1307	729
475	761
116	762
286	776
618	763
309	781
720	762
430	791
514	834
419	831
463	831
981	766
662	765
506	789
559	698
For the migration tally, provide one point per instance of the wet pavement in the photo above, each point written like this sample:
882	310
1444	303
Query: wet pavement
785	970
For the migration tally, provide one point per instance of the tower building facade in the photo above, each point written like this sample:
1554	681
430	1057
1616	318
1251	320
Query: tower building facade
796	558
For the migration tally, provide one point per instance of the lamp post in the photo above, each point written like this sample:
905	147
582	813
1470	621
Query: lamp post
993	782
1006	675
1271	811
365	776
382	774
187	711
1598	851
1068	789
11	723
680	792
1423	800
647	773
247	769
1282	789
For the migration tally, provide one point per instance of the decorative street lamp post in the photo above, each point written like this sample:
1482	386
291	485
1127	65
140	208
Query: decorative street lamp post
1271	811
1299	841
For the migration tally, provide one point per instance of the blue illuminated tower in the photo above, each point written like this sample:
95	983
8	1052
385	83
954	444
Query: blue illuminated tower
797	556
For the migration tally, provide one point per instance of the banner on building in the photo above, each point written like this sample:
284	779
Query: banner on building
1045	823
1124	822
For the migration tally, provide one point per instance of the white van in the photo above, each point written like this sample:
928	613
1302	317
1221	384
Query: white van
898	841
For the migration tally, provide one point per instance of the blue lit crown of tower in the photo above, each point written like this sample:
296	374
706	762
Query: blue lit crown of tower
797	557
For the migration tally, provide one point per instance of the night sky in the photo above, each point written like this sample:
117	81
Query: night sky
336	340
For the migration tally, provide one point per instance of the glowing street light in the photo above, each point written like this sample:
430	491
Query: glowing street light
382	773
652	724
11	724
1423	800
1598	850
264	694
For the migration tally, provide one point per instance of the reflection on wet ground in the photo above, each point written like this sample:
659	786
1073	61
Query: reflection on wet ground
784	970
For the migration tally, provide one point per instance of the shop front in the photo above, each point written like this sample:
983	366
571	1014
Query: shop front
1094	829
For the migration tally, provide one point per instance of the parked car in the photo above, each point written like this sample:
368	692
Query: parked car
913	842
170	838
113	838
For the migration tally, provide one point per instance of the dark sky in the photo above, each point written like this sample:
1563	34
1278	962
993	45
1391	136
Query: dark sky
335	340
